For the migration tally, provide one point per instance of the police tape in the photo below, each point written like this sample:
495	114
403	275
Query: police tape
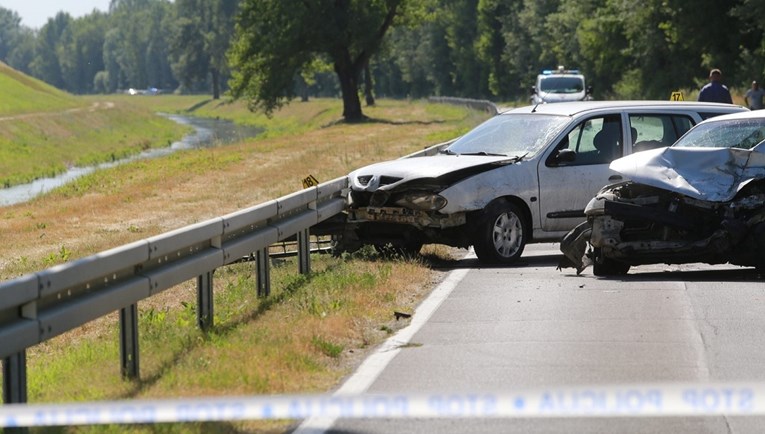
673	399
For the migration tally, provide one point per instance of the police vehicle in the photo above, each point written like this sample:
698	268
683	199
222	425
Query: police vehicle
559	86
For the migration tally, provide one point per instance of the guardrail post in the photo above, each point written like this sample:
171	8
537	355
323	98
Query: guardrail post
304	251
129	341
263	265
15	378
205	301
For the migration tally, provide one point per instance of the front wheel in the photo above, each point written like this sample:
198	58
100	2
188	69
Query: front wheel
501	234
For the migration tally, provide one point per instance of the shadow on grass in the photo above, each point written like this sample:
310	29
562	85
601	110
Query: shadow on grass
192	343
368	120
198	105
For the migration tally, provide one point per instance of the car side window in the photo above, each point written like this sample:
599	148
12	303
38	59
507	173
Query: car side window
594	141
650	131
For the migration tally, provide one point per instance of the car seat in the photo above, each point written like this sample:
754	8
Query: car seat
606	141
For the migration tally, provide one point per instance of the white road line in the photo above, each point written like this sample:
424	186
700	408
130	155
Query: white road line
373	365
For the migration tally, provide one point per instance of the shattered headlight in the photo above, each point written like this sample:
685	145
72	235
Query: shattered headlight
597	204
421	201
595	207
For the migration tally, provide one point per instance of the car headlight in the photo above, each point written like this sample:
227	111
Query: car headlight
596	206
422	201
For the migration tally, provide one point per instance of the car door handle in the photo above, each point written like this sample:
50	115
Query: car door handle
614	178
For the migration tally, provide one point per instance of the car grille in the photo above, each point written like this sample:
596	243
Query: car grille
387	180
365	198
364	180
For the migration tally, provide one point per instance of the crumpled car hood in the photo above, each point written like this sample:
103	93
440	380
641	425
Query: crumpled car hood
711	174
433	167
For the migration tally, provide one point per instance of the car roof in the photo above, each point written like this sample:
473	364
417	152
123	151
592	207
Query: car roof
577	107
753	114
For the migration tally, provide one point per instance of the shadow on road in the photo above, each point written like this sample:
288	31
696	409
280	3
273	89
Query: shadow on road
636	274
530	261
712	275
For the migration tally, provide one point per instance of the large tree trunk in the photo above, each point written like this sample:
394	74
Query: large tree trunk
368	95
350	88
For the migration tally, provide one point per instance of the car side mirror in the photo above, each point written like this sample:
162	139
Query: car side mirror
589	90
533	90
565	156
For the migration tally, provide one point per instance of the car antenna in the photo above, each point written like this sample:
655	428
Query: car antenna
534	110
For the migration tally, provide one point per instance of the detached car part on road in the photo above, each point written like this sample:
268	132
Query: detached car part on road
700	200
523	176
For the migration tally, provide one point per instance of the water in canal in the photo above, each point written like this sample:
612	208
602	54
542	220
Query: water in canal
207	132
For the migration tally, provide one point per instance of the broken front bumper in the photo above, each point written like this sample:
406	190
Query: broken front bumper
574	247
407	216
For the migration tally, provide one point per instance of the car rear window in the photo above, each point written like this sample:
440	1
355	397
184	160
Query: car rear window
651	131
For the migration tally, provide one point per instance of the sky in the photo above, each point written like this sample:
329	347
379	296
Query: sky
35	13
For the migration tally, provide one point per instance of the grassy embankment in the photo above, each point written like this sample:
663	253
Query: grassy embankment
44	131
304	338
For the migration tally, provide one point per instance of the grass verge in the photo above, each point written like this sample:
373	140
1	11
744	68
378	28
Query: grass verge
305	337
48	144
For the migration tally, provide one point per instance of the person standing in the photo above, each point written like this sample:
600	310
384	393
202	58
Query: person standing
715	91
753	97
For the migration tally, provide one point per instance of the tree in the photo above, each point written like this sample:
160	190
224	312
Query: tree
10	26
201	34
276	39
490	45
45	65
80	52
136	44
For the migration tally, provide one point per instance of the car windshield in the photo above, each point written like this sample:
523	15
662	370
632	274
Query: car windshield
561	85
510	134
738	133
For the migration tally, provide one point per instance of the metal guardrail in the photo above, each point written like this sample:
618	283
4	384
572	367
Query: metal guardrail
475	104
39	306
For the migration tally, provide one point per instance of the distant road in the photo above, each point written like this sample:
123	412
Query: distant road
532	326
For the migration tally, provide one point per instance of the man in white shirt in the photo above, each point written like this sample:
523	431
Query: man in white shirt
753	97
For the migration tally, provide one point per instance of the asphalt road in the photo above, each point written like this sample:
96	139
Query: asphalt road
532	326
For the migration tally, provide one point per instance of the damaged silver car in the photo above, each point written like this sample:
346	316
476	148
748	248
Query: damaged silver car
523	176
700	200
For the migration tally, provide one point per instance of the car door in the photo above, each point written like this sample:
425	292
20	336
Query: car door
576	169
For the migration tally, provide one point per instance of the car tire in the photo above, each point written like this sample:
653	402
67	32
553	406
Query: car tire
501	233
602	266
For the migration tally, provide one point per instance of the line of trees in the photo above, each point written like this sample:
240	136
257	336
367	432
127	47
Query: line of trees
138	44
466	48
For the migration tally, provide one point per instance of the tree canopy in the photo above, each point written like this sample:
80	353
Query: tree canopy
277	39
269	51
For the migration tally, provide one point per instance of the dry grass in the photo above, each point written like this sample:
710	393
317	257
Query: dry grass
305	337
135	201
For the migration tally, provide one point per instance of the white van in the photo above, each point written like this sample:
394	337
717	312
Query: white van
560	85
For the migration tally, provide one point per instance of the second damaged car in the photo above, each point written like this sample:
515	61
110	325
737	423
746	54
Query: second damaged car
700	200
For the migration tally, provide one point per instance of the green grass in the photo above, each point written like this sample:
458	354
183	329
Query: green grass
302	117
22	94
45	146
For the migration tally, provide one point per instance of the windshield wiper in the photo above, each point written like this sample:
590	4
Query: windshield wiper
447	152
520	158
491	154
